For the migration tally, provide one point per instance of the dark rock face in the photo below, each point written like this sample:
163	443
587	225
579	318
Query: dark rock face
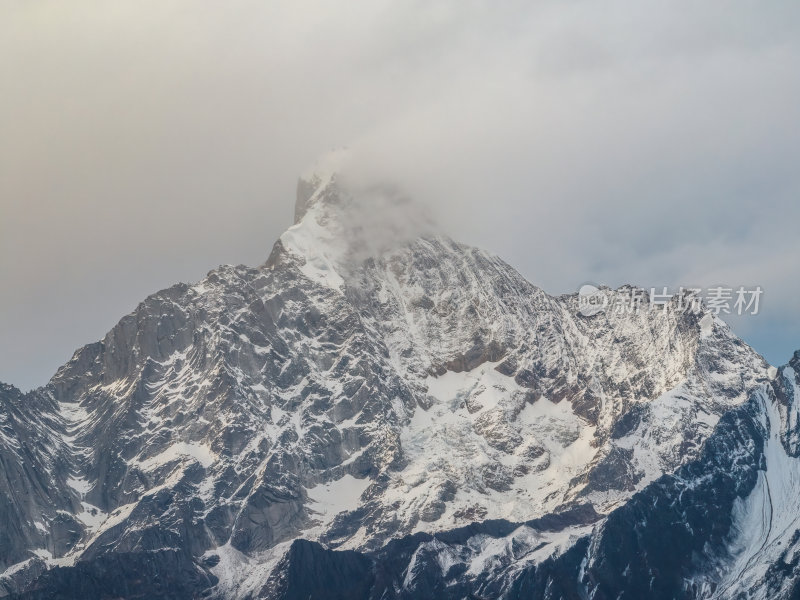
34	468
416	421
412	567
723	526
673	529
310	571
162	575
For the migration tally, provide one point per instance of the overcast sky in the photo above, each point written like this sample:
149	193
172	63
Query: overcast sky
624	141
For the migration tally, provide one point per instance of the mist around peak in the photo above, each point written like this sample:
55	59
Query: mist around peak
346	214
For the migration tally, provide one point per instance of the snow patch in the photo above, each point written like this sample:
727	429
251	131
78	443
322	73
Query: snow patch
80	485
201	453
330	499
313	244
91	516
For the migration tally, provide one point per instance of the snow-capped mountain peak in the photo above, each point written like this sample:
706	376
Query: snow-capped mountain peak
374	389
317	179
343	219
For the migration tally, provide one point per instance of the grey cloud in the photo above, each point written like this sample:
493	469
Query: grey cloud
625	141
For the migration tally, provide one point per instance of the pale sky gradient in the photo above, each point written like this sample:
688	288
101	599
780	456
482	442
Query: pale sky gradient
628	141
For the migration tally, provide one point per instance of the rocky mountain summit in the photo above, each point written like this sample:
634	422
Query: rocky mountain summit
378	411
